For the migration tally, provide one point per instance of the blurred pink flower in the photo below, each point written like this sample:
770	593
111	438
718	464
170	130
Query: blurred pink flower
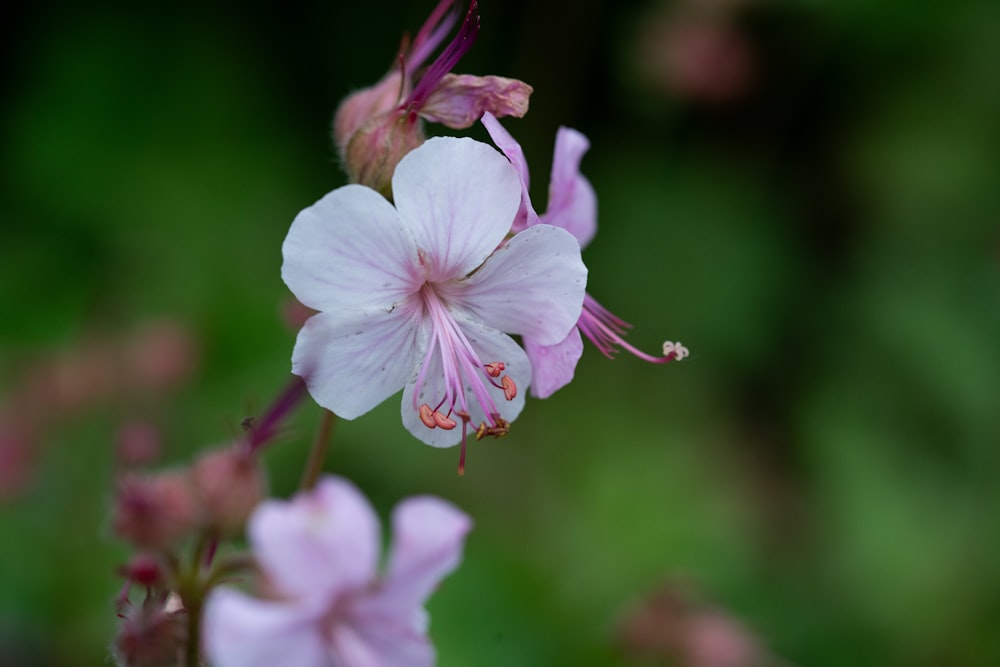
420	295
572	206
319	554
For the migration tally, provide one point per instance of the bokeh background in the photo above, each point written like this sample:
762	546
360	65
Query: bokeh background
803	192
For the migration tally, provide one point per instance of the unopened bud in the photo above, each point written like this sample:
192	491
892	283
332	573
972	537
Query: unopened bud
373	152
229	483
155	512
151	636
361	107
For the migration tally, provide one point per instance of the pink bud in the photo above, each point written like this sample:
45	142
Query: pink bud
229	483
359	108
155	512
374	151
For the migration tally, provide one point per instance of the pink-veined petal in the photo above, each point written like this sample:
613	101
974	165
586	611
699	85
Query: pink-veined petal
458	198
553	366
319	545
241	631
459	100
353	359
572	203
349	249
533	285
526	215
490	345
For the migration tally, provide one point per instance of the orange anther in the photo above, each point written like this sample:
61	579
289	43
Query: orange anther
509	388
495	368
427	416
443	421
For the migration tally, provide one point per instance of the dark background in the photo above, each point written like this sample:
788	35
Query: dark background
803	192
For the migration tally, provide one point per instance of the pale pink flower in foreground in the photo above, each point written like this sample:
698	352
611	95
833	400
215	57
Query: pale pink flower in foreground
319	555
572	206
421	294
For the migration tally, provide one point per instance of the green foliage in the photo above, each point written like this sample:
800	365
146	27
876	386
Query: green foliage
827	244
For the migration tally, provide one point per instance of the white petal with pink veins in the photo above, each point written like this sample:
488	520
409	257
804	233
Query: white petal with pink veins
533	285
458	197
352	360
349	249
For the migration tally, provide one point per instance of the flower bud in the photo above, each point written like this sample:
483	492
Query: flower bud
359	108
229	483
373	152
155	512
151	636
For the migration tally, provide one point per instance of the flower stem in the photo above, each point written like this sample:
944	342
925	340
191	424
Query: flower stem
193	608
191	592
320	447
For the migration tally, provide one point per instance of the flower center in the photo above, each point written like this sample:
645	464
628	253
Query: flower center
466	377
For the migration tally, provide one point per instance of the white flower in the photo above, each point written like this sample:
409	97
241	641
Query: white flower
423	293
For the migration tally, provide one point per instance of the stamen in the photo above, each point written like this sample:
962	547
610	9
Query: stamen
427	416
495	368
607	333
500	428
676	349
443	421
466	377
461	458
509	388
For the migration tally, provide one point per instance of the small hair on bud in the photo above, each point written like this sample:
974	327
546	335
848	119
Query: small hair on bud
676	349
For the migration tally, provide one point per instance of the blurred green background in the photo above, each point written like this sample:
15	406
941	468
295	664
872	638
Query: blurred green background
806	193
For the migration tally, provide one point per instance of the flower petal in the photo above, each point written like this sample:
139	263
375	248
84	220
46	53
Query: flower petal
241	631
374	640
572	203
526	215
349	249
553	366
428	538
428	535
352	360
459	100
319	545
458	198
533	285
490	345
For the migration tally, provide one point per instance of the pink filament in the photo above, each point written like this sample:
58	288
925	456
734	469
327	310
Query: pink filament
459	362
607	331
